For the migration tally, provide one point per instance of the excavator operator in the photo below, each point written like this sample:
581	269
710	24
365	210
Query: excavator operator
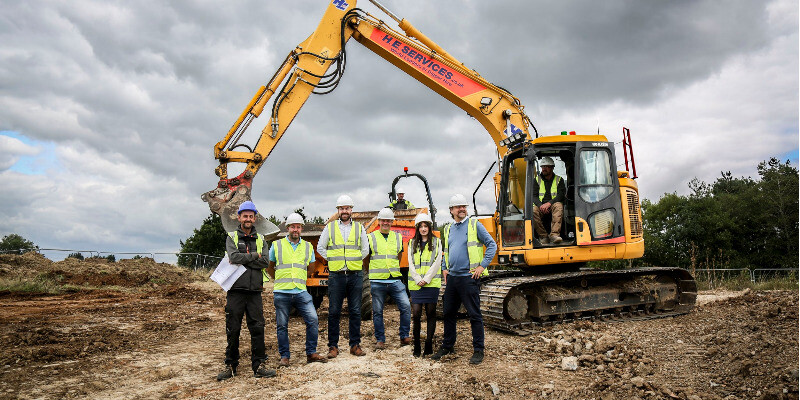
549	202
401	203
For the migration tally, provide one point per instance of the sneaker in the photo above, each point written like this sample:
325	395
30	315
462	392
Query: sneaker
443	351
555	239
310	358
228	373
356	351
284	362
333	352
544	240
264	372
477	357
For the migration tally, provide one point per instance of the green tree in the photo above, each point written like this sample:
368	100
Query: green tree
208	240
15	244
77	256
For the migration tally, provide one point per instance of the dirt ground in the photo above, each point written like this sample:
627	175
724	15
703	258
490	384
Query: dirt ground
138	329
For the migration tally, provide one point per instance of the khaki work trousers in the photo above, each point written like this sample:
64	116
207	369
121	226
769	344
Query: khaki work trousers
556	211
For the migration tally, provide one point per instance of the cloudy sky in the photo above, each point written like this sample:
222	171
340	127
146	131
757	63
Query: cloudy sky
109	110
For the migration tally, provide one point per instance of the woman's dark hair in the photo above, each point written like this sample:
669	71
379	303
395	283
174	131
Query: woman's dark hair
418	237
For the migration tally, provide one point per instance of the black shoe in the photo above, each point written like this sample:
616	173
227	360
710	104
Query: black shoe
443	351
228	373
428	348
477	357
417	349
264	372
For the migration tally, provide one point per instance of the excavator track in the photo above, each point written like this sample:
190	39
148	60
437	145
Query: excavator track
521	304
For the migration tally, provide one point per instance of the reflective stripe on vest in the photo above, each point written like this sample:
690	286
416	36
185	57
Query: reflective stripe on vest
291	265
343	253
553	187
259	249
424	261
474	246
383	261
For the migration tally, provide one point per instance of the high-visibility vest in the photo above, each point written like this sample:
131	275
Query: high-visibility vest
259	248
394	203
423	260
384	261
291	265
343	253
474	247
553	187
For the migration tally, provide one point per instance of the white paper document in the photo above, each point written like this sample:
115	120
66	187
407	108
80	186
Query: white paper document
226	273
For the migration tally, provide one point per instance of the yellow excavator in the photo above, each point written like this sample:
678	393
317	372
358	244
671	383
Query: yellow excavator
533	282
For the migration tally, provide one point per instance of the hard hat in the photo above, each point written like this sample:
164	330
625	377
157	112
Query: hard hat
422	217
247	206
458	199
344	200
294	218
386	213
400	189
547	161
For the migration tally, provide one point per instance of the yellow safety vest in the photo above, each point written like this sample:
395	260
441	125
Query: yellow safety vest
343	253
553	187
384	261
291	265
474	247
423	259
259	248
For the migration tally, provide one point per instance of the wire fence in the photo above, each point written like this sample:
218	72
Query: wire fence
714	277
190	260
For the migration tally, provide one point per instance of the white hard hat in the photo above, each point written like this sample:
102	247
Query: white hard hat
547	161
386	213
294	218
400	189
344	200
422	217
458	199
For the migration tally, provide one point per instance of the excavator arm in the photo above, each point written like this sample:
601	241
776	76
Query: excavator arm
316	65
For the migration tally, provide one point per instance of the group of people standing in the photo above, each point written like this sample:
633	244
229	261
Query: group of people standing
457	260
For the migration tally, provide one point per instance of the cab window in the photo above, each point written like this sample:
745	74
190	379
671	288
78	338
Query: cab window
595	181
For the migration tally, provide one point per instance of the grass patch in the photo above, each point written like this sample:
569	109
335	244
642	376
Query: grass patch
42	283
742	281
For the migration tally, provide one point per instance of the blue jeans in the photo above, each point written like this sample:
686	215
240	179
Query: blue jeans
341	286
397	290
305	307
462	290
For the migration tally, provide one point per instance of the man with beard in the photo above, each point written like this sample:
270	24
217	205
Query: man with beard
344	244
289	260
246	247
463	264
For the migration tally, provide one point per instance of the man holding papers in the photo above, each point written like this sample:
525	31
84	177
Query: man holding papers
246	247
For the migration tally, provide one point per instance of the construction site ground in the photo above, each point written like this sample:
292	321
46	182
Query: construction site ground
139	329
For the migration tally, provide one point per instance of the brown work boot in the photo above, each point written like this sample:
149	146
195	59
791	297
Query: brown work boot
554	238
405	341
356	351
284	362
332	352
310	358
380	346
544	240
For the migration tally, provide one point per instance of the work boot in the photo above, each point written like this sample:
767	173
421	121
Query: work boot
417	349
554	238
477	357
380	346
356	351
228	373
333	352
544	240
443	351
405	341
310	358
284	362
428	348
263	372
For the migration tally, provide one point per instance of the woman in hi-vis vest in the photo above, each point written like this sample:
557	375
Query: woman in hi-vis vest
425	279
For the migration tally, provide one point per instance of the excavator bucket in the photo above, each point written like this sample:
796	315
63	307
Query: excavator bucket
225	201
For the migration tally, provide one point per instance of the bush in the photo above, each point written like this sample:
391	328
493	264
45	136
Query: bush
78	256
15	244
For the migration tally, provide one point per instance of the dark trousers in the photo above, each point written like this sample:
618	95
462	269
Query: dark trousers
467	291
239	304
340	286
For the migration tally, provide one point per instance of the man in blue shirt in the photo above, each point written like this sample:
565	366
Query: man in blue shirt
463	265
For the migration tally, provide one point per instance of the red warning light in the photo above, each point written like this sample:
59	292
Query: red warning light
571	132
405	169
